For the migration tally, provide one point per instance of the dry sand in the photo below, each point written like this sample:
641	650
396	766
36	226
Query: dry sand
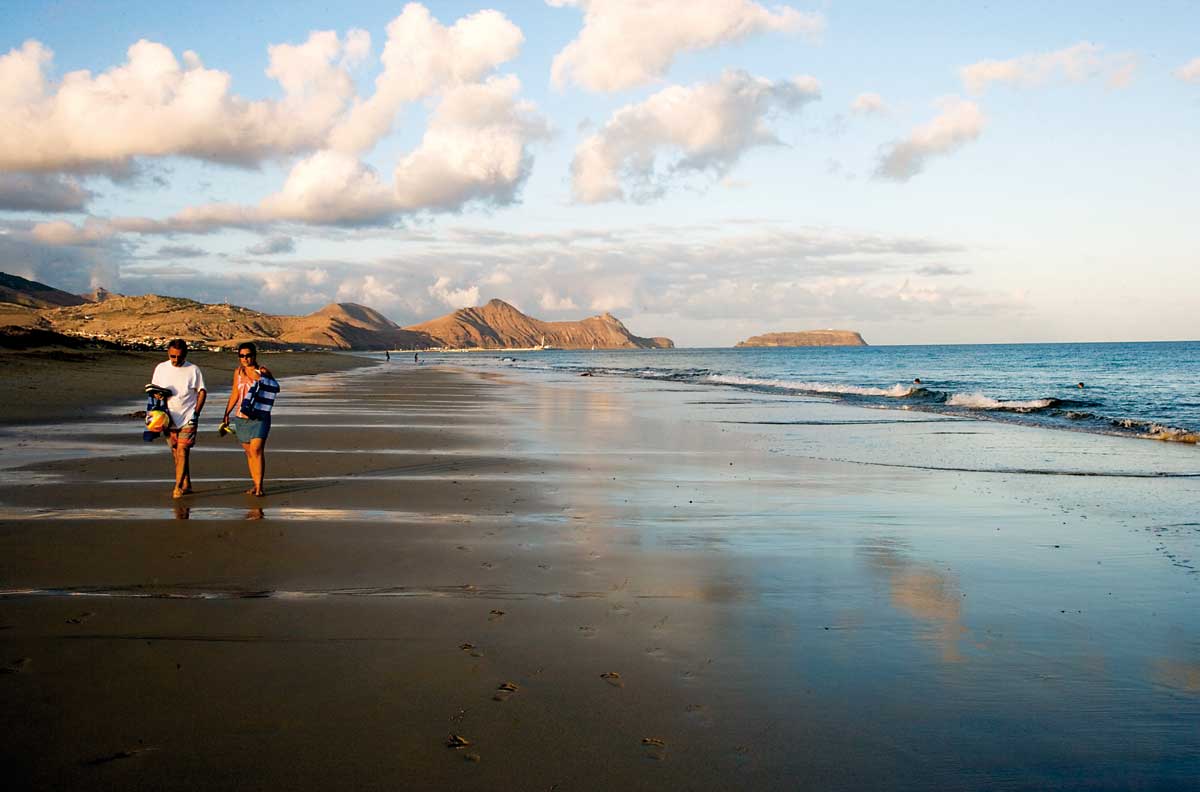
592	594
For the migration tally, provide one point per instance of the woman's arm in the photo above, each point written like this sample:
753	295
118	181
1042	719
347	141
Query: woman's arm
232	397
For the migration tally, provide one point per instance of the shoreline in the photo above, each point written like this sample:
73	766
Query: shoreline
598	584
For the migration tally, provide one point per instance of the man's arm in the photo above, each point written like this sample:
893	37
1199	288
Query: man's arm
201	395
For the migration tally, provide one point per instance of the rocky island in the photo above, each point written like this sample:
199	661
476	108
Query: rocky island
805	338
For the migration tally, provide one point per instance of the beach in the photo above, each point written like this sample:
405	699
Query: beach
483	579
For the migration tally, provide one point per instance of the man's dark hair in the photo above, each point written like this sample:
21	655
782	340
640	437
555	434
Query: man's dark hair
178	343
248	346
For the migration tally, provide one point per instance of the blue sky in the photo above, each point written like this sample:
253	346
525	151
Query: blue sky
952	173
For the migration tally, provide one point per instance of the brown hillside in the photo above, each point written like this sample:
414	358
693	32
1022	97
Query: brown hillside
30	294
499	325
349	326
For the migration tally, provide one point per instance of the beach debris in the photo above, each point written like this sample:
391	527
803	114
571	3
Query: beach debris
17	666
81	618
613	678
456	741
504	690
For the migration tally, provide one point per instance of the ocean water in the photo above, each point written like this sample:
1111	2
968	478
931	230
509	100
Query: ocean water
1143	390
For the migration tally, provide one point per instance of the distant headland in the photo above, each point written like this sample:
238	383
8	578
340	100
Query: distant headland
805	338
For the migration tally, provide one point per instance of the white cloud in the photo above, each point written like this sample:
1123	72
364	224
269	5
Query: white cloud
153	106
868	104
455	298
476	148
1076	63
959	123
42	192
709	126
1190	71
423	57
330	187
627	43
549	301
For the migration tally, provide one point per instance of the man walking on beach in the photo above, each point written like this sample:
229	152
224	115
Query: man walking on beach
185	383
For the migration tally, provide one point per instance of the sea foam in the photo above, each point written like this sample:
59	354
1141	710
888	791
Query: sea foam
897	391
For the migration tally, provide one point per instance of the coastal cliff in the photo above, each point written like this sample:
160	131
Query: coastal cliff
805	338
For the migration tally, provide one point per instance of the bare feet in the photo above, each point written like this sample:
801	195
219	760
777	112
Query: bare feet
177	493
258	493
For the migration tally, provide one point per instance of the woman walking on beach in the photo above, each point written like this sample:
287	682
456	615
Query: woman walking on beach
253	394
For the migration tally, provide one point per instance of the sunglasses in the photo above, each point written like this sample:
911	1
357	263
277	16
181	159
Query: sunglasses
242	355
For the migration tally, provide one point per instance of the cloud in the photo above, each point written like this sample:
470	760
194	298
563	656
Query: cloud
154	106
707	126
42	192
627	43
868	104
959	123
273	245
332	188
1190	71
455	298
1076	63
938	270
180	251
423	57
476	148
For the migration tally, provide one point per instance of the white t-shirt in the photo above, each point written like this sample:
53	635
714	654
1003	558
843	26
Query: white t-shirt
185	383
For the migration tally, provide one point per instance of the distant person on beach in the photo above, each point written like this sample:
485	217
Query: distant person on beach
417	358
252	429
387	355
185	382
917	381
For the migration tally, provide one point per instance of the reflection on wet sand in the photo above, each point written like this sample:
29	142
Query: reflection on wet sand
922	591
1177	674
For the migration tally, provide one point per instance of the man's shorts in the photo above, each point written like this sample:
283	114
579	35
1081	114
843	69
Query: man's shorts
248	429
182	436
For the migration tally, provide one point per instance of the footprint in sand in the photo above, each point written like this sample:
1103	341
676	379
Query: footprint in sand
613	678
504	691
657	652
18	666
456	741
587	631
656	748
471	649
81	618
699	713
494	614
488	565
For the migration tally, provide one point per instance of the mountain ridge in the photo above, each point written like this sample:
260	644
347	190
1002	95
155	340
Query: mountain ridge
152	320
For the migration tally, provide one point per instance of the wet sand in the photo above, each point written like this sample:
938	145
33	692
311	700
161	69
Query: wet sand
596	587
